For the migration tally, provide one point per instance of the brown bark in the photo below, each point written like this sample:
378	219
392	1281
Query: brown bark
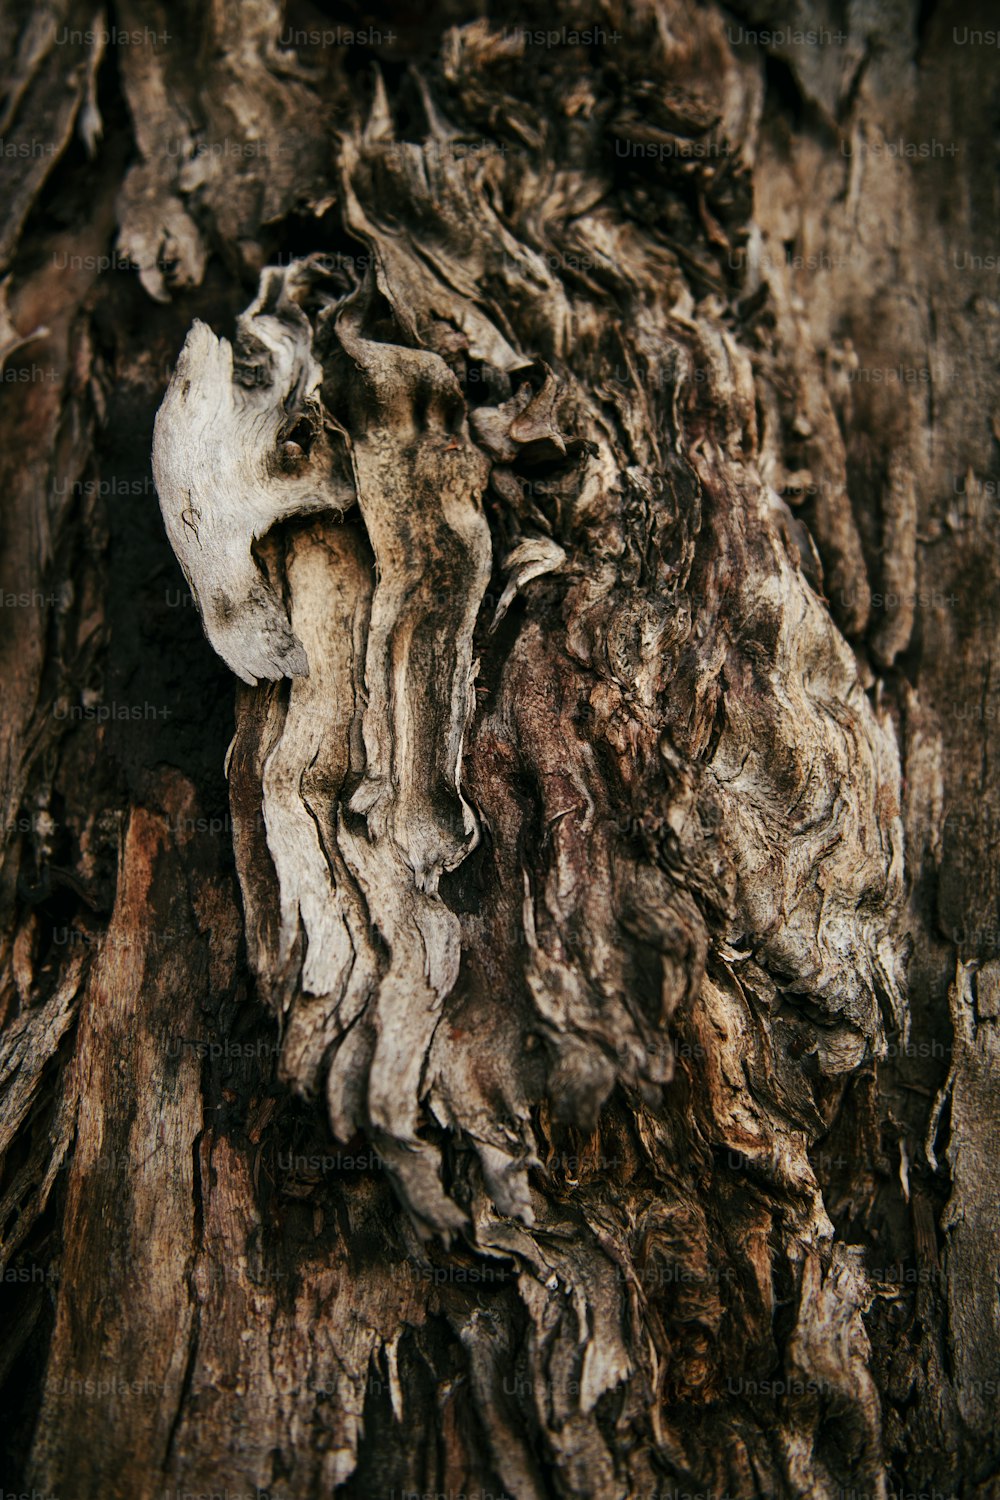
562	1059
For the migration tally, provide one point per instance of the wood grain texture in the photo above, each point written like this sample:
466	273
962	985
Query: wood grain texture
541	1044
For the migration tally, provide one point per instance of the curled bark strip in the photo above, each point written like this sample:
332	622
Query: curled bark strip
420	480
240	444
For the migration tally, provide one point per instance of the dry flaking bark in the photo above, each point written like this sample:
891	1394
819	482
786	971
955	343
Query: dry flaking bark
595	499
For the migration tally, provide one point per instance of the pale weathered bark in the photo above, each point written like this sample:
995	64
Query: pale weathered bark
545	1043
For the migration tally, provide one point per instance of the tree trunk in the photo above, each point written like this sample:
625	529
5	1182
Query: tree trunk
542	1039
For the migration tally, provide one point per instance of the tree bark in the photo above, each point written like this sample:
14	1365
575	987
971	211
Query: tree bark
534	1033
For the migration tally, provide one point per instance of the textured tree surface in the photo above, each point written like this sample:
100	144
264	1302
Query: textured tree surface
498	965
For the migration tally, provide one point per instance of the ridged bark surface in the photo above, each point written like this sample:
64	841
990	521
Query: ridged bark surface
542	1040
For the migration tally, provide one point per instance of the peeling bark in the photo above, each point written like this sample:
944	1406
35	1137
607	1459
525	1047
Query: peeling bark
550	1051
